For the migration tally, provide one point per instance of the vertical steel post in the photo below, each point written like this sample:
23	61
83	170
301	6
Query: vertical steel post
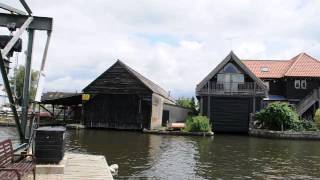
10	97
27	79
209	108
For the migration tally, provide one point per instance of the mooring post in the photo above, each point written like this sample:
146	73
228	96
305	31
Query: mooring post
27	79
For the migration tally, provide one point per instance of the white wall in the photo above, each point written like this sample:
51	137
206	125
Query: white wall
157	108
176	113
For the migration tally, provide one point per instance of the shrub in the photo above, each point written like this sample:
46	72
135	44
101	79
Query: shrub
198	124
279	116
317	118
309	125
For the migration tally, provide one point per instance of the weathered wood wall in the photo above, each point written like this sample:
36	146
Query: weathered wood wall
293	93
118	100
118	111
117	80
229	113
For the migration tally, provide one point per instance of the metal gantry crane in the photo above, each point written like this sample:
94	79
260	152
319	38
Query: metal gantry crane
18	22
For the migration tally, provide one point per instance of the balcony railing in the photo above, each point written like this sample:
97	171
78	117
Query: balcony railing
247	88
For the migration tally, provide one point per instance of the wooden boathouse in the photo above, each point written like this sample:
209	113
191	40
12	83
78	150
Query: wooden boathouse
228	94
121	98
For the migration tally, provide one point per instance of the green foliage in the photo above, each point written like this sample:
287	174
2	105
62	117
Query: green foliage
189	103
317	118
198	124
309	125
279	116
19	77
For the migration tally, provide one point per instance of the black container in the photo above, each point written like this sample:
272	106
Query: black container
49	144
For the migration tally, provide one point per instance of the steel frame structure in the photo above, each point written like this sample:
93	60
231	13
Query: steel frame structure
24	21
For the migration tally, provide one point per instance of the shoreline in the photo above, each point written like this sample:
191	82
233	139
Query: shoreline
178	133
303	135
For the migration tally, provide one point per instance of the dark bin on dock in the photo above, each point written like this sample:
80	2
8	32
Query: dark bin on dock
49	144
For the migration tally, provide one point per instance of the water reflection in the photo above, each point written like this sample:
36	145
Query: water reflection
178	157
245	157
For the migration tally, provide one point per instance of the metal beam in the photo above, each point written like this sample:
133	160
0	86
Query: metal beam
15	38
12	9
10	97
27	79
38	23
46	109
41	74
26	7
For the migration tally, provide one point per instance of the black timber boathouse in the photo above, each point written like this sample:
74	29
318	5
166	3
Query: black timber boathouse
121	98
228	94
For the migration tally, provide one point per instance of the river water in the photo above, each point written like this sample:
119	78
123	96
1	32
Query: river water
182	157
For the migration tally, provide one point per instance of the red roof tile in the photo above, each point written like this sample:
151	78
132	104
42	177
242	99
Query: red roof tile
301	65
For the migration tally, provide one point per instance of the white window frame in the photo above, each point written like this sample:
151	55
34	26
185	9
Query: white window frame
267	84
303	84
297	84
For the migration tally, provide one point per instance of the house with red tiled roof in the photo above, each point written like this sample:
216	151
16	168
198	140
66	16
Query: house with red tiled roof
236	88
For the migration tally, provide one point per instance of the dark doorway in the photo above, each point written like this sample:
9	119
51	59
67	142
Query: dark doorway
165	117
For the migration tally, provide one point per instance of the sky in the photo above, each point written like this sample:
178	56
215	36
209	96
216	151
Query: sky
173	43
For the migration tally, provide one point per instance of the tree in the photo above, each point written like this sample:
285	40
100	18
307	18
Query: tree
317	118
188	103
18	78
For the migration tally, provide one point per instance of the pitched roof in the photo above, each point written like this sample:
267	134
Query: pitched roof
302	65
151	85
230	57
148	83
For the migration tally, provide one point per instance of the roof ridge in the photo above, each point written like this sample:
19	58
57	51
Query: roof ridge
282	60
146	82
314	59
141	75
297	59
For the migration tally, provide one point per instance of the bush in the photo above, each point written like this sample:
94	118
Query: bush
309	125
279	116
198	124
317	118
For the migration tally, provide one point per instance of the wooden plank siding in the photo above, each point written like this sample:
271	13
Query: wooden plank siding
293	93
117	80
228	103
118	101
118	112
230	114
121	98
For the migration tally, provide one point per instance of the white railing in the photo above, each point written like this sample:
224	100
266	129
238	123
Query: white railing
247	88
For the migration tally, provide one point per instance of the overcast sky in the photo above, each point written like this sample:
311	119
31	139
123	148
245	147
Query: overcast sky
173	43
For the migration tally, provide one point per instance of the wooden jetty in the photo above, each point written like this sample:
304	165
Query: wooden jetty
80	166
83	166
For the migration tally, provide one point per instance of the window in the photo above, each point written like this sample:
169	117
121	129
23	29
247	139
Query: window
303	84
266	83
297	84
220	78
264	69
237	78
230	68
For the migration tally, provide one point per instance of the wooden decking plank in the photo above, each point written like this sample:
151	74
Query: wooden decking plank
80	166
